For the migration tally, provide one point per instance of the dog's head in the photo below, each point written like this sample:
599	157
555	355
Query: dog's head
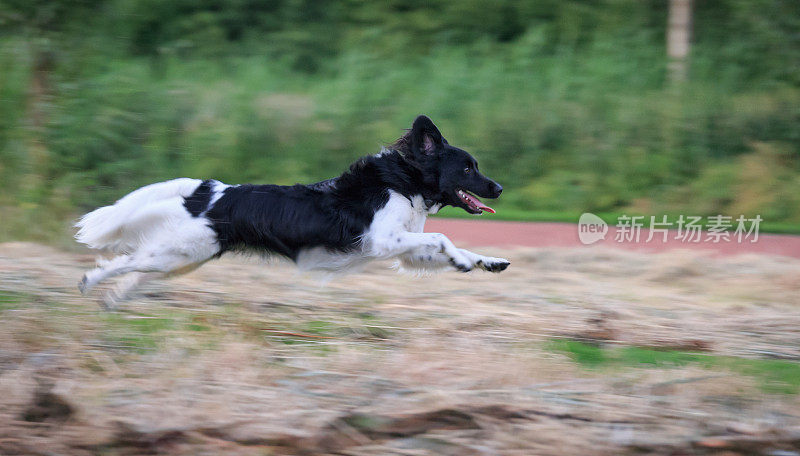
451	174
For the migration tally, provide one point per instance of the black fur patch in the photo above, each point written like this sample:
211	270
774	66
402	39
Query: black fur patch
331	214
198	202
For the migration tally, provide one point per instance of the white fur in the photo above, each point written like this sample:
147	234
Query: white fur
219	189
152	232
122	226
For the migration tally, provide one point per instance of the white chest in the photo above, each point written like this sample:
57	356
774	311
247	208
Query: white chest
400	214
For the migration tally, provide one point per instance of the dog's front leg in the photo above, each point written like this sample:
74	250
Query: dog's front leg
422	260
397	244
434	249
486	263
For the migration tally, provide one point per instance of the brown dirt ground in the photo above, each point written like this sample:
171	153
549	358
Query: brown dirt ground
249	357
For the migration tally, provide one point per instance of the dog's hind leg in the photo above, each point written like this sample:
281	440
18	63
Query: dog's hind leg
113	267
132	281
146	262
124	287
175	244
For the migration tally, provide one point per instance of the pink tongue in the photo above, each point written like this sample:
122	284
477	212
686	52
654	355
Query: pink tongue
479	204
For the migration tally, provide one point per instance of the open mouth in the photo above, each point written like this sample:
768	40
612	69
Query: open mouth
473	203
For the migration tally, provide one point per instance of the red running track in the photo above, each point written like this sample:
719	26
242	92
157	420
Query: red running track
540	234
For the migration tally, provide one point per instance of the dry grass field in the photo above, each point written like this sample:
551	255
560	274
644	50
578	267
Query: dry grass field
568	352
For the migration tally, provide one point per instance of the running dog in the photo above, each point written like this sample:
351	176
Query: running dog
375	210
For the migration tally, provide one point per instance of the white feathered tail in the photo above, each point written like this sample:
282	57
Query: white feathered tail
121	227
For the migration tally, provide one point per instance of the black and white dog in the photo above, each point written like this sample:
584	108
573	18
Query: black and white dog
375	210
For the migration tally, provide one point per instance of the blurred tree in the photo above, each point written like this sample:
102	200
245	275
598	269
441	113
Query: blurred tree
678	38
563	98
43	25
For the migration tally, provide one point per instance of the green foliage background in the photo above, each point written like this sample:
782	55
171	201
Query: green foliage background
565	102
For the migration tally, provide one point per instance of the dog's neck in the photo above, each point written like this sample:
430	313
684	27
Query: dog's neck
413	175
431	206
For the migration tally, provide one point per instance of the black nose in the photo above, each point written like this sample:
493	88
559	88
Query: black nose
498	189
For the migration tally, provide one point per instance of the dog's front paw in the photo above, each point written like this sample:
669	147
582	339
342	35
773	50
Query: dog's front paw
493	264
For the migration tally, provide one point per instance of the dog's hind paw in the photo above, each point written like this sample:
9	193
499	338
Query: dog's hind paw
109	301
82	285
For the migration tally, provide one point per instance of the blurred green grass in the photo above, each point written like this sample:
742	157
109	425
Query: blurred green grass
10	300
567	104
773	376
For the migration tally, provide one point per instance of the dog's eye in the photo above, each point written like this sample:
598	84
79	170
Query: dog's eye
467	170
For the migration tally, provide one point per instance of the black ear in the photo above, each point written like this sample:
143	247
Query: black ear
425	137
